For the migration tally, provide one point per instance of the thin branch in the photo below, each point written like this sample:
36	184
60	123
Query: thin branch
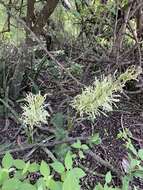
105	163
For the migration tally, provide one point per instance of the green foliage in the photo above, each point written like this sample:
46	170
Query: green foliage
94	140
108	179
58	167
7	161
58	120
76	69
80	147
54	69
61	132
68	161
70	176
66	22
16	33
101	96
135	157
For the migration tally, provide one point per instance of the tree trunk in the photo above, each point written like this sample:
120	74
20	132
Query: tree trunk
39	24
139	20
120	35
30	17
44	15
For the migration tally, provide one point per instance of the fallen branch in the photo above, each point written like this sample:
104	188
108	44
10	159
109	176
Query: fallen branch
105	163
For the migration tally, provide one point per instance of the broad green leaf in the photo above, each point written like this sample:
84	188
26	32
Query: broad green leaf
84	147
134	163
57	186
26	186
44	169
41	184
48	181
108	177
53	185
25	170
19	164
125	183
11	184
4	175
78	172
18	174
71	182
140	154
7	161
58	167
68	161
34	167
76	144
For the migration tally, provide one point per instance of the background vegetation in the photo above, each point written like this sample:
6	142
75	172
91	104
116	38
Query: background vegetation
71	94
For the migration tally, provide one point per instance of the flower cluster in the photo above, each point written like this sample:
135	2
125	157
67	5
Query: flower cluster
33	110
102	95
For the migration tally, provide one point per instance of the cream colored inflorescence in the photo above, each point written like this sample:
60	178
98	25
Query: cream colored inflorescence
34	112
102	95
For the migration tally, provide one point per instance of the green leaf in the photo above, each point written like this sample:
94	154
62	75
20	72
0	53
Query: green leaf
78	172
48	181
44	169
41	184
108	177
131	148
95	139
68	161
25	170
84	147
134	163
18	174
58	120
138	173
99	187
71	182
4	175
7	161
140	154
34	167
125	182
58	167
53	185
76	144
61	150
81	155
60	133
26	186
57	186
11	184
19	164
